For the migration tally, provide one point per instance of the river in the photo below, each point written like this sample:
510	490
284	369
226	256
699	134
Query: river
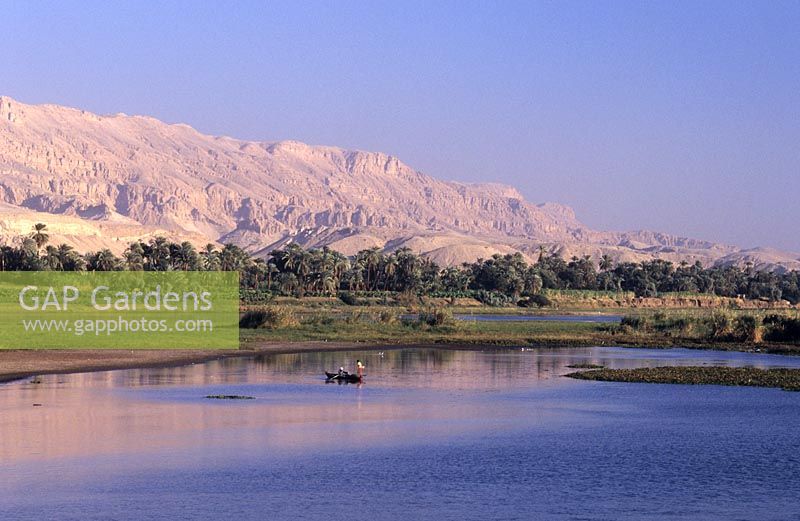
432	434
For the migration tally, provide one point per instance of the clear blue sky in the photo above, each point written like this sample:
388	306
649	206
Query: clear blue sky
675	116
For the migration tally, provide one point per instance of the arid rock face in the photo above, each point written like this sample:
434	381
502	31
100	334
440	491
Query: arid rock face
102	180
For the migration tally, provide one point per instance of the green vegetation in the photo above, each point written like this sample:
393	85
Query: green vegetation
718	326
330	320
273	317
401	297
374	277
787	379
431	326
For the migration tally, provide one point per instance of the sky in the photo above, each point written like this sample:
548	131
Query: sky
675	116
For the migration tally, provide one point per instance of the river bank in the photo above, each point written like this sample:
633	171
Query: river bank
366	332
21	363
444	331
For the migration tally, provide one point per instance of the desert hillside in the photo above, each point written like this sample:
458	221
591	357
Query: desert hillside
102	181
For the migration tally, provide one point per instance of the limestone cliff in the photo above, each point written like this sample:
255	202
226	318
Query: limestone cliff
118	174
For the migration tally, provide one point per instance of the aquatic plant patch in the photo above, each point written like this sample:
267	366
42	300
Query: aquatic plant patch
783	378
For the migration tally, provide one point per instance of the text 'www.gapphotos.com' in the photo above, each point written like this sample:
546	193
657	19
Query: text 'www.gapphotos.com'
110	326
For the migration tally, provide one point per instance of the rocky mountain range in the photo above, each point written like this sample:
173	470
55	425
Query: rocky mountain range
103	181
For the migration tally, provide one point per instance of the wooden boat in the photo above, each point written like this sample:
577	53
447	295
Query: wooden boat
347	377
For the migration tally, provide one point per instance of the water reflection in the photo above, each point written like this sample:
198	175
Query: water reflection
150	410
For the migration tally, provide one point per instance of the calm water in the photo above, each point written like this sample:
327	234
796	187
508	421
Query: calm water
433	434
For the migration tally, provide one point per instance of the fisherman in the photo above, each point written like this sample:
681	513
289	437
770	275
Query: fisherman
360	368
342	372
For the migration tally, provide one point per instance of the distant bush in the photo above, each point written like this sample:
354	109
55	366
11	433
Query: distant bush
719	325
540	301
635	323
584	294
672	325
452	294
782	328
350	299
269	318
387	317
436	317
681	325
493	298
747	328
254	296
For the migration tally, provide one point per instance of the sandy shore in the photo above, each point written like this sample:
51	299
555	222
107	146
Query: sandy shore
17	364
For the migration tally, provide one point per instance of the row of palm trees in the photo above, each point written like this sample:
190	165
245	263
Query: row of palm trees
34	253
293	270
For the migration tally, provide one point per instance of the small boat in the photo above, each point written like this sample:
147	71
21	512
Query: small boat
346	377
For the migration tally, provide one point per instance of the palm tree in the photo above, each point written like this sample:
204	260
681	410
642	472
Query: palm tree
233	258
135	257
389	269
370	260
287	283
29	255
542	253
158	254
341	265
327	283
69	259
354	279
271	270
209	258
295	260
186	257
104	260
40	236
52	259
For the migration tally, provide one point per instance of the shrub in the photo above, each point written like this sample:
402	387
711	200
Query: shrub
673	325
746	328
252	296
269	318
387	317
635	323
436	317
719	325
492	298
350	299
782	328
535	300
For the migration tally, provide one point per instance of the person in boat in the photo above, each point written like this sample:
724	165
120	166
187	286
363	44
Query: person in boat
360	368
342	372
